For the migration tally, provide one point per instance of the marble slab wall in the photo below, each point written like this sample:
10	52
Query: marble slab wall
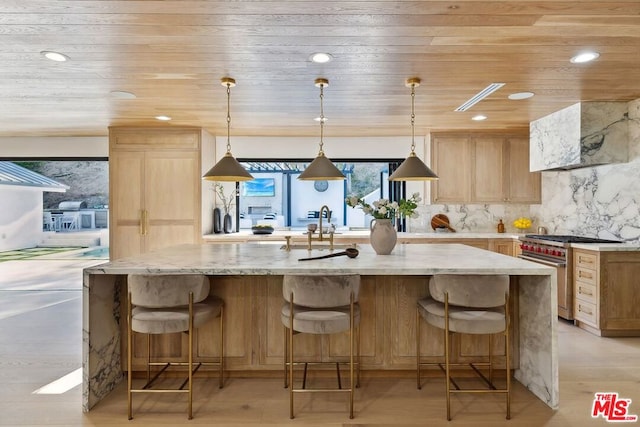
584	134
601	201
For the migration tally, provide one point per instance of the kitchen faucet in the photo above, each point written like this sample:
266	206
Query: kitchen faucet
324	208
320	237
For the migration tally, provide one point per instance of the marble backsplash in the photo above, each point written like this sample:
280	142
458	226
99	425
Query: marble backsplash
473	218
602	201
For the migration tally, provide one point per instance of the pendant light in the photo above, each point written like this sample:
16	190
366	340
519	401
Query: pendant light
413	169
228	168
321	168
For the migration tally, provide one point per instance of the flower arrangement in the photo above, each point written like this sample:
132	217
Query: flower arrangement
385	209
522	223
227	201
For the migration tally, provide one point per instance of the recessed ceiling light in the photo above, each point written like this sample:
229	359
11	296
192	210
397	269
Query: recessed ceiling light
163	118
54	56
321	58
520	95
121	94
479	118
583	57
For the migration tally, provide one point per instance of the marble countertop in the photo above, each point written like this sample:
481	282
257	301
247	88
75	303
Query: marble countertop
607	247
256	259
281	235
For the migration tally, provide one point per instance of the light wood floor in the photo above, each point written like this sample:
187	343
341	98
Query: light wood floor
40	342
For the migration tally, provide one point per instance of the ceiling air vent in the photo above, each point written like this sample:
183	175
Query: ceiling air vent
479	96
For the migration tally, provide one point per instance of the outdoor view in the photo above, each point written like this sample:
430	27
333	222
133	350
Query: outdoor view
54	207
277	198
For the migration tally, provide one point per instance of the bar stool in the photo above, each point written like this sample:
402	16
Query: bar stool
467	304
320	305
166	304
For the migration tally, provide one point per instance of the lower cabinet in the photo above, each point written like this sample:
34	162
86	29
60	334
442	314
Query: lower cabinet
606	292
254	332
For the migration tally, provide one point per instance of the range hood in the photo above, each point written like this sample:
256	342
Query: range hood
584	134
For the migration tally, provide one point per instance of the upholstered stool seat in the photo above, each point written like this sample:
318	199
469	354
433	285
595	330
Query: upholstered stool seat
174	319
467	304
320	321
463	320
320	304
165	304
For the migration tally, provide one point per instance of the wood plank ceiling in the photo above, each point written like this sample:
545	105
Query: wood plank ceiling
171	54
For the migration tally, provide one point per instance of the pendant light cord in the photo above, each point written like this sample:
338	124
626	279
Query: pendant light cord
228	118
413	117
321	118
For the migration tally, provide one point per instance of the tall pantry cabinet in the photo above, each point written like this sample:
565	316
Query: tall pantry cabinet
154	188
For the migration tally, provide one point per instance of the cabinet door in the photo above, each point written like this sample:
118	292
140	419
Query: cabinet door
501	246
451	162
171	198
126	177
154	200
487	176
522	186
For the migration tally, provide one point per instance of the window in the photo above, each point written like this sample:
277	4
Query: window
277	191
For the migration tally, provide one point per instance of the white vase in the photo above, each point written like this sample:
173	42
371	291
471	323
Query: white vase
383	236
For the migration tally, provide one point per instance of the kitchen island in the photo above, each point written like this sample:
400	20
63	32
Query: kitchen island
249	276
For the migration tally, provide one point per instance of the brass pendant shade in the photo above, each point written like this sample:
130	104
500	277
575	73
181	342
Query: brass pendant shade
413	169
228	168
321	168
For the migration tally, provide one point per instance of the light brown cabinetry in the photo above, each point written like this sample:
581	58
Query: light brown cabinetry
483	168
154	179
606	292
521	185
585	275
502	246
450	158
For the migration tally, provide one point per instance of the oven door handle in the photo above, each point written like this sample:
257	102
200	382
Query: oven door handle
543	261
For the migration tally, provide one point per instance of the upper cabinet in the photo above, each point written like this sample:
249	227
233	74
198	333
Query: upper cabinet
450	161
483	168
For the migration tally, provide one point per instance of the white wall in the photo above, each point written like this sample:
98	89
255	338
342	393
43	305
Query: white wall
59	146
20	217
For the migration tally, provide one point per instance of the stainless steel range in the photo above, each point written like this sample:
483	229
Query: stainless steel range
555	251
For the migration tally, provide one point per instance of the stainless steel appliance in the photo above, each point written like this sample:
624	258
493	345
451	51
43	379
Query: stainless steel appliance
555	251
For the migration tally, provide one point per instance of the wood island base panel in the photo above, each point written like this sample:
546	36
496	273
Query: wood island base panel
248	277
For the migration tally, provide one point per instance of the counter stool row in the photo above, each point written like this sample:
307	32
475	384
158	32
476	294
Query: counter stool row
315	304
